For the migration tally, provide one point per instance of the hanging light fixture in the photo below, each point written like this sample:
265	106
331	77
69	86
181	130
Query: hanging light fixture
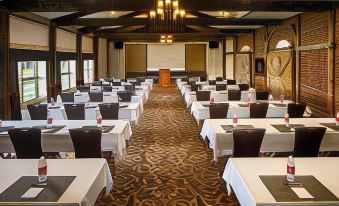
166	38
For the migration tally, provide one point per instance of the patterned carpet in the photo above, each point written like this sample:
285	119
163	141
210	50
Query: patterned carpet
166	163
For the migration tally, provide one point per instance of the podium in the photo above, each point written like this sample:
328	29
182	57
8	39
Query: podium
164	78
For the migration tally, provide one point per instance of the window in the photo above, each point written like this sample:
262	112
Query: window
88	71
68	77
32	80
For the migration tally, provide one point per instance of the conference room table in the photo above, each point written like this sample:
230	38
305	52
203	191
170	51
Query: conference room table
59	140
276	109
219	96
90	177
248	178
127	111
282	140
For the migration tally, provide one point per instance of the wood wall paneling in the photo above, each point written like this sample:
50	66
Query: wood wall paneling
195	57
135	59
336	65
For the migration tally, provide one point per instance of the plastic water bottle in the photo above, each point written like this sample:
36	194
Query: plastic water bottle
249	98
270	98
290	169
52	101
235	119
99	119
282	98
287	120
49	119
337	120
42	169
212	100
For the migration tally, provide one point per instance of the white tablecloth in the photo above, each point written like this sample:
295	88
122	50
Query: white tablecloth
61	141
219	96
201	112
274	141
243	175
92	175
132	112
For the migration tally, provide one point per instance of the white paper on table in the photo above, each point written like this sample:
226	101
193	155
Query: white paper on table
33	192
302	192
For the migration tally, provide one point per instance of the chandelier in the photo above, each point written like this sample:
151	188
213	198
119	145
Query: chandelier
166	38
166	17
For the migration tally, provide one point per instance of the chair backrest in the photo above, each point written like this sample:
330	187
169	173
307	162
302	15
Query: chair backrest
194	79
261	95
220	87
219	110
75	111
106	88
83	88
109	110
203	79
67	96
192	83
307	141
116	83
140	79
125	96
96	96
234	95
231	82
26	143
37	111
244	87
195	87
212	82
296	110
108	79
203	95
97	83
86	142
130	87
219	79
247	142
258	110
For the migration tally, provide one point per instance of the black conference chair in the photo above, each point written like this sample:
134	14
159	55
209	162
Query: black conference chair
116	83
244	87
231	82
26	143
296	110
219	79
108	79
307	141
191	83
212	82
96	96
83	88
234	95
125	96
106	89
75	111
195	87
130	87
261	95
203	95
109	111
37	111
258	110
247	142
67	96
220	87
203	79
86	142
218	111
97	83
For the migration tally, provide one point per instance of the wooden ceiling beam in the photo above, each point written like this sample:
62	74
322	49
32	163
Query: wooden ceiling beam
202	21
189	5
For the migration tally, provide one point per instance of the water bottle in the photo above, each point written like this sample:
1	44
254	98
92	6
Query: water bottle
42	169
49	119
337	120
212	100
52	101
282	98
290	169
235	119
99	119
287	120
270	98
249	98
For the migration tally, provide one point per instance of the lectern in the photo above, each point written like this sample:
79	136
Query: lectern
164	78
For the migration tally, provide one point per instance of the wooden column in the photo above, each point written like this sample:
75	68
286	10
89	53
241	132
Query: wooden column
5	97
224	58
79	62
95	53
51	73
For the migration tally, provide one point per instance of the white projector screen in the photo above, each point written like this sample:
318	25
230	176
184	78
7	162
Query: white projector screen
166	56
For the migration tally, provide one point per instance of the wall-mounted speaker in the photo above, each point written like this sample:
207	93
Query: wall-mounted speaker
119	45
213	44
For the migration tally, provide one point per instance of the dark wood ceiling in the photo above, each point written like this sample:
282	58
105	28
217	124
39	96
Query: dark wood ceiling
205	25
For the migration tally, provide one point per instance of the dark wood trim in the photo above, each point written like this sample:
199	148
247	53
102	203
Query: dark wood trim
51	74
95	57
224	58
79	62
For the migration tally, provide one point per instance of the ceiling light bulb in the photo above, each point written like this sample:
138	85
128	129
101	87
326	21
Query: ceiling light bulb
182	13
224	13
160	11
152	13
113	13
160	4
162	41
168	1
175	3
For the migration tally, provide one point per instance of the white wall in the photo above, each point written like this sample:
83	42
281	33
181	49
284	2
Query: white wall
215	62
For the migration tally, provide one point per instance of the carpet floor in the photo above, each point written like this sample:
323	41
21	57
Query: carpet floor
166	163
